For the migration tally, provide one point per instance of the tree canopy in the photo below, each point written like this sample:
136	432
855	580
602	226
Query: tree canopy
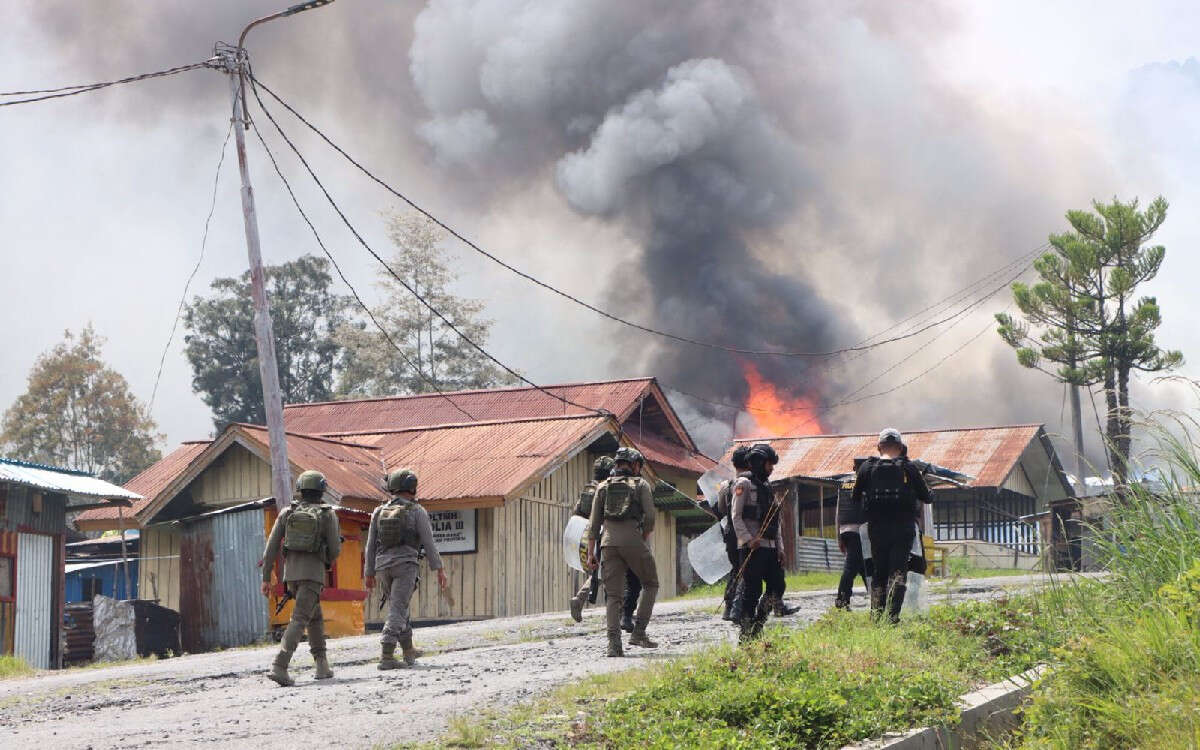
79	413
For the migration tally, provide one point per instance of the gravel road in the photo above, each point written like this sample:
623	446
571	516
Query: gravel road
224	700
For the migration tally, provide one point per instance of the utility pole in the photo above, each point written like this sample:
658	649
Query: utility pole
235	61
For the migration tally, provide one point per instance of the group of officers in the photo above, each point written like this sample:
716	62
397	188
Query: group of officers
619	506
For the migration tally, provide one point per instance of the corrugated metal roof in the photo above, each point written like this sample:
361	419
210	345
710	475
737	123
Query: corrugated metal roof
350	467
477	461
151	481
987	453
400	412
64	481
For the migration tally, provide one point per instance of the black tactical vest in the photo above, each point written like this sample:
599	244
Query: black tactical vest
848	510
890	493
764	498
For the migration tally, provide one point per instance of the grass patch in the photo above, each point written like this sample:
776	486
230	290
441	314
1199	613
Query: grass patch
14	666
842	679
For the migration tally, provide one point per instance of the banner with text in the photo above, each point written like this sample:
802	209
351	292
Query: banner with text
453	530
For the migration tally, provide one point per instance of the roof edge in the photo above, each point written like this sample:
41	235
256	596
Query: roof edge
444	394
1036	425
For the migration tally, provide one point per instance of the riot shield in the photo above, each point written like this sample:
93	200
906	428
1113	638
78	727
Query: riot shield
707	555
574	548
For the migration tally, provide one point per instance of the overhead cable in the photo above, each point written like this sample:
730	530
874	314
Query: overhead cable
565	295
84	88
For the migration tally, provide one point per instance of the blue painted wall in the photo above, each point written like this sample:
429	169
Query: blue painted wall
112	581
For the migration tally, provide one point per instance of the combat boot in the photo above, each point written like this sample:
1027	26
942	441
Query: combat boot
322	664
728	614
627	622
410	653
387	659
614	645
279	667
577	610
896	603
748	629
639	637
877	597
783	610
841	603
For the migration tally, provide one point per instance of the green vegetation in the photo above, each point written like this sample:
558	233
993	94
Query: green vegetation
1131	678
841	679
14	666
795	582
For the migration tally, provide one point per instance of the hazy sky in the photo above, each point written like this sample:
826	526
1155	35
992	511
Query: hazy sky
931	144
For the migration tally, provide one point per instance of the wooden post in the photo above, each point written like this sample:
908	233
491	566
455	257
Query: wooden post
124	558
821	490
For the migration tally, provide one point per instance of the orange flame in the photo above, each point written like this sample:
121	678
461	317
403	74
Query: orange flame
776	414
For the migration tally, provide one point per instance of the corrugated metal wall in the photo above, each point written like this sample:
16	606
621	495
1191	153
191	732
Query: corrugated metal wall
19	513
816	553
241	610
36	576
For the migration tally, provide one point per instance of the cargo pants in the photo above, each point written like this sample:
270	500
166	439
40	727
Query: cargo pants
306	615
617	561
398	580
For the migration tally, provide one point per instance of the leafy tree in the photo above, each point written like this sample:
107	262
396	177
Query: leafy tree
373	368
1088	318
79	413
220	345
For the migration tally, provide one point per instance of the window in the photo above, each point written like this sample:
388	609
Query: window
92	587
6	578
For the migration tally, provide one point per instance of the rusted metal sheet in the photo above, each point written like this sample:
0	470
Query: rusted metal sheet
151	481
988	453
20	515
484	405
79	637
195	588
350	466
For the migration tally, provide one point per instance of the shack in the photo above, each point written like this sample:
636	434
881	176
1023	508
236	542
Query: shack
499	489
1015	474
97	567
35	501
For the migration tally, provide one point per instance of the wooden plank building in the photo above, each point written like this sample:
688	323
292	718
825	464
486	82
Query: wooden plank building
499	489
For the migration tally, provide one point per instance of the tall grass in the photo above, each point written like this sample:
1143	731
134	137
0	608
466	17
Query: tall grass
1131	678
14	666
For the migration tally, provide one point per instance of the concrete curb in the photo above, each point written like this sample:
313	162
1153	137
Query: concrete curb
986	713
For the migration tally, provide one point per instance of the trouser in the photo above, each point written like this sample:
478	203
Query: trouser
735	561
891	545
853	566
398	580
761	567
306	615
618	562
633	588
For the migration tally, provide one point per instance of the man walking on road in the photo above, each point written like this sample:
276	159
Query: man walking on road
307	534
624	507
889	488
850	518
395	537
583	508
756	521
733	584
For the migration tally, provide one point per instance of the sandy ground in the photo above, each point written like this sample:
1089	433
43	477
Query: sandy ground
224	700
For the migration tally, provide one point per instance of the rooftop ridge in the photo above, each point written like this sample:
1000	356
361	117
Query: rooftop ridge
472	391
308	436
44	467
458	425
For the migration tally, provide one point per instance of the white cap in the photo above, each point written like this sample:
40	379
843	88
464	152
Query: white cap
890	435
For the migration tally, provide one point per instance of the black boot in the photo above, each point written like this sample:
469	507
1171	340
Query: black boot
782	610
627	621
896	603
728	614
842	603
877	597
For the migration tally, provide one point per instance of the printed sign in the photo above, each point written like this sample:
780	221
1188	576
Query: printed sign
453	530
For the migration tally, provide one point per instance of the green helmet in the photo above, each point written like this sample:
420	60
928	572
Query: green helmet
602	467
311	480
402	480
628	454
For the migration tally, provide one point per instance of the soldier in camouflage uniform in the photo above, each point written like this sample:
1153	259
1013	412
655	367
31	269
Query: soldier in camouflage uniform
397	533
306	534
583	508
624	507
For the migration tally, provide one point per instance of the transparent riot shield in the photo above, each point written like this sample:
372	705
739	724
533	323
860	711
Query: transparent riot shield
707	555
574	549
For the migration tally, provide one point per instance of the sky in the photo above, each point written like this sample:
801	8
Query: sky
874	159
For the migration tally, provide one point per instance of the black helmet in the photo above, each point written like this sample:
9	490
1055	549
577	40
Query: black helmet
740	462
762	452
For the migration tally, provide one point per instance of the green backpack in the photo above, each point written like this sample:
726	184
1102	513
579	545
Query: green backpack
305	529
583	507
620	499
397	525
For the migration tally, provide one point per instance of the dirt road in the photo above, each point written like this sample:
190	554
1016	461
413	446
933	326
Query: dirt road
223	699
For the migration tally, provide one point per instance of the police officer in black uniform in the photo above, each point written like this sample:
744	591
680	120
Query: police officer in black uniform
724	509
850	518
889	487
756	522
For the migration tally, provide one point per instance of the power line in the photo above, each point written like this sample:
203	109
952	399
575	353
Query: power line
565	295
195	269
370	314
446	321
84	88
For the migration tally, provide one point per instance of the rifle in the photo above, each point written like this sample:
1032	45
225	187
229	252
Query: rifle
287	597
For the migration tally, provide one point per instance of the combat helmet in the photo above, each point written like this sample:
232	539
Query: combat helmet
762	452
402	480
602	467
311	480
739	459
631	455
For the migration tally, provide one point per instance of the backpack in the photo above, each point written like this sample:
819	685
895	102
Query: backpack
621	502
889	491
583	506
304	530
397	525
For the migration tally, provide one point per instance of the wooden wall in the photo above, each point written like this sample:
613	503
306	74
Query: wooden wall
236	476
158	565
